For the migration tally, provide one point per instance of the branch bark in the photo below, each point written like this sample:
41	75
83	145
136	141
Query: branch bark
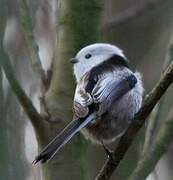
160	146
126	140
26	103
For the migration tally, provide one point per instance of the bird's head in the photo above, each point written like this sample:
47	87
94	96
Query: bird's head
93	55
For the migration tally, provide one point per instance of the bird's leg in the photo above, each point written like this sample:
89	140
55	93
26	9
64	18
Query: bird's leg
108	152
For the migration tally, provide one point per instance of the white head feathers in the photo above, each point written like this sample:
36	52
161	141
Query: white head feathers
93	55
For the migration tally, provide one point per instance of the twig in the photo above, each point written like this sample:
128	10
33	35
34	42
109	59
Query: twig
130	13
150	101
28	27
1	94
153	121
151	127
27	24
26	103
160	146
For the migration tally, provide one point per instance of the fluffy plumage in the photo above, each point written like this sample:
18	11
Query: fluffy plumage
107	96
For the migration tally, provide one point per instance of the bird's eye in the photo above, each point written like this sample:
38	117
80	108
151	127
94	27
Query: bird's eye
87	56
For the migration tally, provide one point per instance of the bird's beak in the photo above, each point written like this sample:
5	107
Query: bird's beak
74	60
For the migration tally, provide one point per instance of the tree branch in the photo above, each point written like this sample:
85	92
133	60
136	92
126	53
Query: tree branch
33	52
126	140
27	24
151	127
160	146
153	121
130	13
26	103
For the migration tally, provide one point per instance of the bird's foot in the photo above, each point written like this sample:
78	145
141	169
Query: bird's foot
108	151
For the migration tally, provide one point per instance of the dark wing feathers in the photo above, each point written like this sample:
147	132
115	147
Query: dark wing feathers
110	90
74	126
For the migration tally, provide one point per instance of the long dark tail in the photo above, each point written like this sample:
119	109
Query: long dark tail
62	138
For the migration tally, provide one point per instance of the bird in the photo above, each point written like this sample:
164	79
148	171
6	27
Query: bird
108	95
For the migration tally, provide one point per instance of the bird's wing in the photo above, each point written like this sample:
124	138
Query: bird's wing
110	88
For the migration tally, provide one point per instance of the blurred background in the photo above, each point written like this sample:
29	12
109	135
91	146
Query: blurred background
142	28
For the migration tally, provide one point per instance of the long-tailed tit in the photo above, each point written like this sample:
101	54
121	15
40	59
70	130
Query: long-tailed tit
107	96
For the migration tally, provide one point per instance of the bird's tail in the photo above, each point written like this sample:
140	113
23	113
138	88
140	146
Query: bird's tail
62	138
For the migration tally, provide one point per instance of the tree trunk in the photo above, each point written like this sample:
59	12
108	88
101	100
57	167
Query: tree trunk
79	25
12	127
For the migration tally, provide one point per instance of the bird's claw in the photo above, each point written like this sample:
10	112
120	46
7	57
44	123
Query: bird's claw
109	152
